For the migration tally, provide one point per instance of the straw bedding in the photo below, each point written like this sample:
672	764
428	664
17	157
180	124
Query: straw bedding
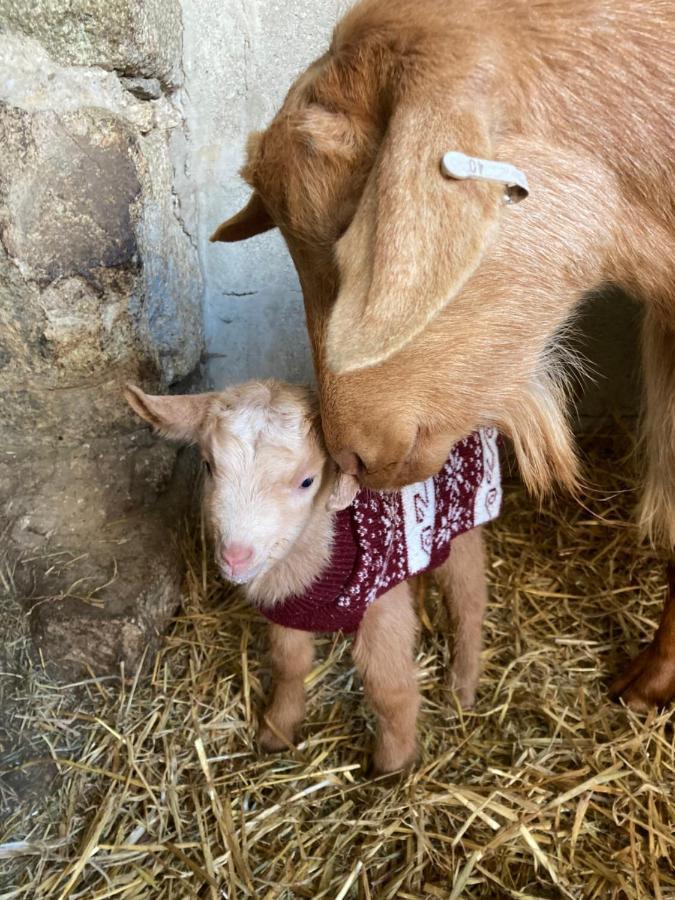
546	789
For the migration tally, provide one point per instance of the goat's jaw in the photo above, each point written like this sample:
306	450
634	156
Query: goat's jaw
245	577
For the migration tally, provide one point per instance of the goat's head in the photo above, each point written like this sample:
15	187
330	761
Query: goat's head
412	344
266	472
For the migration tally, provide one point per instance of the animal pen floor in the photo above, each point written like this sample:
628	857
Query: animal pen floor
546	789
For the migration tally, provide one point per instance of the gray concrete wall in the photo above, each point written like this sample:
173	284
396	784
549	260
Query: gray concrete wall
239	59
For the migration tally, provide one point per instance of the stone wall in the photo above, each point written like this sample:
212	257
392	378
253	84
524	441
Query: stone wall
100	283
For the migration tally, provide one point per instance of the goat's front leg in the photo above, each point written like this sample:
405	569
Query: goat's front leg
462	582
383	653
292	656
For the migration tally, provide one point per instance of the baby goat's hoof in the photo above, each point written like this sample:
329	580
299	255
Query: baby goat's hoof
466	697
465	688
390	761
274	741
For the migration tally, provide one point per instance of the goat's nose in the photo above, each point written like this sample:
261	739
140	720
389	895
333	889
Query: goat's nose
236	556
349	462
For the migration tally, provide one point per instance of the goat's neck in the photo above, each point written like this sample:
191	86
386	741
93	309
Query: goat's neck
302	565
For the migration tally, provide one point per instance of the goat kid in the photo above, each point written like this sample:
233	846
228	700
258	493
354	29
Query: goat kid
315	553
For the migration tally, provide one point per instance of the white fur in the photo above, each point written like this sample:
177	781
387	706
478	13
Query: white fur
260	450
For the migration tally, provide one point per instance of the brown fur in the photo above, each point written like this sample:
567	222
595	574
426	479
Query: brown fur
462	582
384	655
434	309
292	656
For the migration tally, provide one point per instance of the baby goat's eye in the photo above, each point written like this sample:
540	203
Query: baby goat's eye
207	466
308	482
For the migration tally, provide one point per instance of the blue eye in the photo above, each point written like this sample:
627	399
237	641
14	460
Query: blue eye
308	482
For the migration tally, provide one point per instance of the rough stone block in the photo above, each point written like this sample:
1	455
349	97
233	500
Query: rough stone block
30	80
67	187
100	283
135	37
170	318
99	280
112	610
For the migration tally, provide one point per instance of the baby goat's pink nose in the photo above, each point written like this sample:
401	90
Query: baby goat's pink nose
237	556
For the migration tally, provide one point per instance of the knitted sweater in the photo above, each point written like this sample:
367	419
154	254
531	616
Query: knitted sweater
382	539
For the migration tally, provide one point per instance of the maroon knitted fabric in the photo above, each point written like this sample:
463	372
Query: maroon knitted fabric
385	538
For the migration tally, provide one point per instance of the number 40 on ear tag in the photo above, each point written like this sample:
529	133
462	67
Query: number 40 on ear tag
460	166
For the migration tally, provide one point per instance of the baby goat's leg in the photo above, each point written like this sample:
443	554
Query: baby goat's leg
462	580
383	653
292	656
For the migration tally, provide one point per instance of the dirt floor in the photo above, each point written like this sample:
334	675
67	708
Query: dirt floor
545	790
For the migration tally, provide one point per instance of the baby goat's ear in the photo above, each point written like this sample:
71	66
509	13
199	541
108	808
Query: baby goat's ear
346	487
177	417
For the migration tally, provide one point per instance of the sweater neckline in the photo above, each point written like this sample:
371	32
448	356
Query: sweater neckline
335	575
337	572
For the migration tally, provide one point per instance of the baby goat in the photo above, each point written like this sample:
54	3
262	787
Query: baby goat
315	553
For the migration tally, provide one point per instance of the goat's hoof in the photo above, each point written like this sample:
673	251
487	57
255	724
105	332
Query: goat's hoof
386	761
466	697
647	681
274	741
465	689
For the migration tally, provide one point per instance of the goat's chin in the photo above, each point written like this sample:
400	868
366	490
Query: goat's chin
245	577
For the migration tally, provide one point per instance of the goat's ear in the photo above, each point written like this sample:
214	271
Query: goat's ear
178	417
326	132
345	488
251	220
416	237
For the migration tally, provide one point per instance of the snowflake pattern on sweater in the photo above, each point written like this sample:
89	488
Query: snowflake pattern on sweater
383	539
